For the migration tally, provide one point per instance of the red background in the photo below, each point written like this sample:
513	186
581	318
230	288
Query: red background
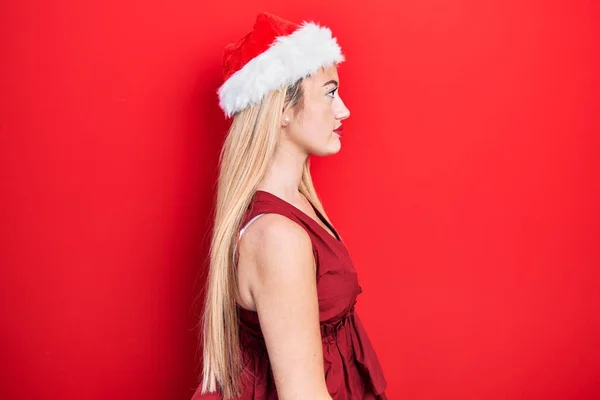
467	190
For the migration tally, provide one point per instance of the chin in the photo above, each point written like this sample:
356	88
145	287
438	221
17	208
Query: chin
332	149
336	145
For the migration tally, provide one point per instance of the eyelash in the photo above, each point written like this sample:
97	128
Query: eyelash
332	92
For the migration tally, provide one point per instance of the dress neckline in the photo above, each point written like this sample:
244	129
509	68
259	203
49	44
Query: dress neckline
337	237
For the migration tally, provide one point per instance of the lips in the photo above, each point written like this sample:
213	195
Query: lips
339	131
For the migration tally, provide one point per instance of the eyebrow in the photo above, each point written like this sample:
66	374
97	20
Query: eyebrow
330	82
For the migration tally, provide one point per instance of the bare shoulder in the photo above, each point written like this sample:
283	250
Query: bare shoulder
274	238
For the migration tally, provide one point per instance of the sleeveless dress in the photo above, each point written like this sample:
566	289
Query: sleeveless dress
352	369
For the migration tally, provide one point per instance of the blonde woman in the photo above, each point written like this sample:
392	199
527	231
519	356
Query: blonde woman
279	319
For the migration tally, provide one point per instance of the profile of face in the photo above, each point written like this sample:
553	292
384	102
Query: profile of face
311	129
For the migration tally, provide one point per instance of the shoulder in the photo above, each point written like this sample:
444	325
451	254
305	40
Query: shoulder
274	240
273	225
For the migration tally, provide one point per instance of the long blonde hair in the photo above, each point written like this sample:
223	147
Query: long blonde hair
246	154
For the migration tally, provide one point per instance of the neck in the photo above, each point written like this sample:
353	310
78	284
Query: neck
284	174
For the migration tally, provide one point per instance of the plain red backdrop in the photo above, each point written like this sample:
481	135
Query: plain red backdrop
467	190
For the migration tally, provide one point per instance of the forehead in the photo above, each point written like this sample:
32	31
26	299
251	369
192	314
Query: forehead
323	75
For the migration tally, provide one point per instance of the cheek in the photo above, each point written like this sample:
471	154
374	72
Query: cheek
322	117
317	121
318	127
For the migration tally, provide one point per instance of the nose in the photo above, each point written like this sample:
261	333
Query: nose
341	111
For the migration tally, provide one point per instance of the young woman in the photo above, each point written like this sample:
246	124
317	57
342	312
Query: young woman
279	319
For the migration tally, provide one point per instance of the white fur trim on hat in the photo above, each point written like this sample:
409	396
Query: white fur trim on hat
288	59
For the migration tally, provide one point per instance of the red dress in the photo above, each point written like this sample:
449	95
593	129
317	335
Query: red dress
352	369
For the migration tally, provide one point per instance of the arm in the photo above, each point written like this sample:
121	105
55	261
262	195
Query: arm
283	287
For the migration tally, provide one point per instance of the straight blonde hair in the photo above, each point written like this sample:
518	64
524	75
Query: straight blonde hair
244	159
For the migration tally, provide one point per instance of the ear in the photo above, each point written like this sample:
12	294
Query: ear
285	120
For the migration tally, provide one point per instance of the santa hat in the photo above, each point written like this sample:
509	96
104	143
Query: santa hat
274	54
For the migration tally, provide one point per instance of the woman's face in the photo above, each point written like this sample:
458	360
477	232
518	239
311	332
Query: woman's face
322	111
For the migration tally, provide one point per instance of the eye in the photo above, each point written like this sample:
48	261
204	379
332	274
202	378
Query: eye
332	92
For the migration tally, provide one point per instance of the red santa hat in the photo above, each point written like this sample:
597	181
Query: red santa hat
274	54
